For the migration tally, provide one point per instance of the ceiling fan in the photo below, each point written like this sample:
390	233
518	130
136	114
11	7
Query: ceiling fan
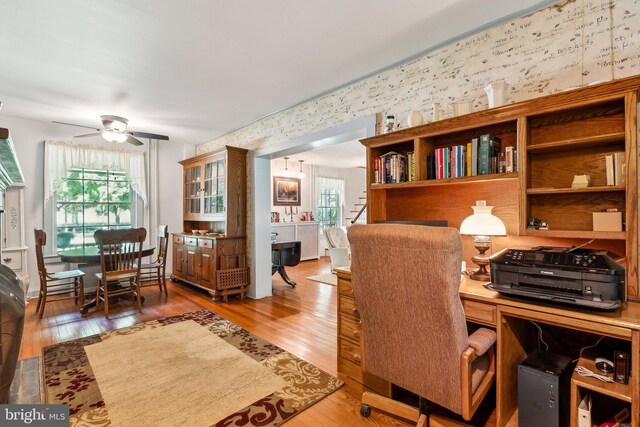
115	130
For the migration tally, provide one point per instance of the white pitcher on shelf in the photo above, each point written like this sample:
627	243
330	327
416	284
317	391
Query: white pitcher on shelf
496	93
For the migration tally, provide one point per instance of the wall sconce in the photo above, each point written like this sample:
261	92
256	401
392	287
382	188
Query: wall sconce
286	171
301	174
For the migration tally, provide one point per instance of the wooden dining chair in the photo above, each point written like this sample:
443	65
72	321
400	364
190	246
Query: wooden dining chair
120	262
154	273
61	285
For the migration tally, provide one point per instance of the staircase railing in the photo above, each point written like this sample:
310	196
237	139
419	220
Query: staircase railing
362	210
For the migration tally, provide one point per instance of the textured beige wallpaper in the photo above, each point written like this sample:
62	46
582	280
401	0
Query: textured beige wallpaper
571	44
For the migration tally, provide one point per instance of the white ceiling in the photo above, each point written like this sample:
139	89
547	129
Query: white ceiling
197	69
350	154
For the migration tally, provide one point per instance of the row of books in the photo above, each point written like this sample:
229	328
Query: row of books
392	167
615	167
481	156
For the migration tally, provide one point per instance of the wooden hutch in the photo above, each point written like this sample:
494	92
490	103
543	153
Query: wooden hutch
215	202
556	137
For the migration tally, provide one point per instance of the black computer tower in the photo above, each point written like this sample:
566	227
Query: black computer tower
543	390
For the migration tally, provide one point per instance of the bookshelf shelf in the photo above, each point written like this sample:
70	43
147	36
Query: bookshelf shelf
615	390
599	189
578	234
448	181
554	138
573	143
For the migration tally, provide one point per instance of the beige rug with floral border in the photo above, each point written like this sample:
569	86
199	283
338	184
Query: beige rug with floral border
195	369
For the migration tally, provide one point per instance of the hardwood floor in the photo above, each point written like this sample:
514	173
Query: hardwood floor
301	320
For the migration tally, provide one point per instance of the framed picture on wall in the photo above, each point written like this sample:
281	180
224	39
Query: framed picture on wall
286	191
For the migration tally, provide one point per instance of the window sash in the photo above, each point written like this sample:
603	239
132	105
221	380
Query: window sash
110	208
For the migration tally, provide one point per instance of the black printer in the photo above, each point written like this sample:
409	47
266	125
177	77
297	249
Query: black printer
587	278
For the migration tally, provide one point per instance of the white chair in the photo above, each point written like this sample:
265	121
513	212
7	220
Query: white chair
339	248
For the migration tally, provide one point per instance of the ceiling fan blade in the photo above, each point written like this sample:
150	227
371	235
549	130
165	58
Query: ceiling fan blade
72	124
86	135
149	135
134	141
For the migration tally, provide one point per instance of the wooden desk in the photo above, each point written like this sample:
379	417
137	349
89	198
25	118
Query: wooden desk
509	317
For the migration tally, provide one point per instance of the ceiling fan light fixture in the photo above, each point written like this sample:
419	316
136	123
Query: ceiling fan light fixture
117	137
115	123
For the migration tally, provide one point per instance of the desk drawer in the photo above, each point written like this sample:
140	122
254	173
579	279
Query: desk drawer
178	239
350	369
479	312
344	287
348	306
350	351
350	328
190	241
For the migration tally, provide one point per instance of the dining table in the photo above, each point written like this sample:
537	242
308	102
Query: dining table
89	256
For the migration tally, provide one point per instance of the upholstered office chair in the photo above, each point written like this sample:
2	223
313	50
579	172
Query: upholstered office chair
120	262
339	249
405	280
60	285
153	273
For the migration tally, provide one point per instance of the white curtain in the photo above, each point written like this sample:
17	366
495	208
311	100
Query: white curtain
325	183
59	157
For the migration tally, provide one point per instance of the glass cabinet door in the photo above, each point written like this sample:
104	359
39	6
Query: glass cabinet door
192	187
220	195
214	187
210	188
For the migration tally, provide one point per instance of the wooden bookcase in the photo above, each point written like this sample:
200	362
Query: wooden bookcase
214	199
556	137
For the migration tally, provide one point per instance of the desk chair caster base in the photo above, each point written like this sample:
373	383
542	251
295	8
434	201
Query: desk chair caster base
365	410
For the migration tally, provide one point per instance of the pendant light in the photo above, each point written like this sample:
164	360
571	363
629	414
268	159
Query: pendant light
301	174
286	171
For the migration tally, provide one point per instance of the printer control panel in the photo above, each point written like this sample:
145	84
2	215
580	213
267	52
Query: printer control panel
543	258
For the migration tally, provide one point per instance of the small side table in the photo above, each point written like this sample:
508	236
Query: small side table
285	254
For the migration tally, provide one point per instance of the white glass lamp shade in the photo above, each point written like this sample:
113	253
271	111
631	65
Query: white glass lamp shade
117	137
482	223
286	171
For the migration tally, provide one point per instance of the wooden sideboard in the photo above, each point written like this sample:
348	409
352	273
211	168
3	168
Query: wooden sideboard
512	320
214	199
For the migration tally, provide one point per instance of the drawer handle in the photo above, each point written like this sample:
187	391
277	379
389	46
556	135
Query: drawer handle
356	357
354	310
356	334
7	260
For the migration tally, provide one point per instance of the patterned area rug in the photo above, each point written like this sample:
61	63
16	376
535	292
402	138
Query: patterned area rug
329	279
195	369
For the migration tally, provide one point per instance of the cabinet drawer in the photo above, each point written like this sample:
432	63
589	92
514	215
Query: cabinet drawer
191	241
350	351
348	306
479	312
178	239
350	328
344	287
205	243
12	260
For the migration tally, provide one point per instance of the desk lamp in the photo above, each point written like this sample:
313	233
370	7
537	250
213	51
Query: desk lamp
482	225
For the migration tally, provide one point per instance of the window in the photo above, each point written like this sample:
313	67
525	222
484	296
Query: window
89	200
330	192
328	209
